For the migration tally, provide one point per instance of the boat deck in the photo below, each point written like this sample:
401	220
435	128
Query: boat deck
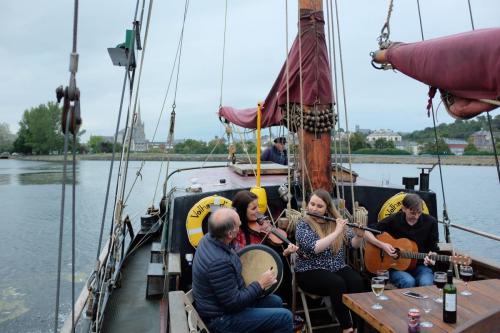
128	309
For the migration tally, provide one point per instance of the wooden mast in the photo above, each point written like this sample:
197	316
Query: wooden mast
315	153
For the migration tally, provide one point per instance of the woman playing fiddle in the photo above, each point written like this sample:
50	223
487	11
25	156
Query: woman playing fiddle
324	270
253	231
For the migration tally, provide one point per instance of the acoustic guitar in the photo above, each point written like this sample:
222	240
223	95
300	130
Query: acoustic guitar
407	255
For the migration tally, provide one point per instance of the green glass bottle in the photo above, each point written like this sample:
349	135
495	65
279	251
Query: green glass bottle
450	300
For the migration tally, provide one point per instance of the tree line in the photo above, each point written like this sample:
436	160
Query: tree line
40	133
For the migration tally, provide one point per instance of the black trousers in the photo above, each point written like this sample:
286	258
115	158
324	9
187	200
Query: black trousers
325	283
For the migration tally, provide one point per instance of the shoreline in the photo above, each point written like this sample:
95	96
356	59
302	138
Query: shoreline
375	159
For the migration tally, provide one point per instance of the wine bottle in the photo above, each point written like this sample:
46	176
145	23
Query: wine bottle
450	300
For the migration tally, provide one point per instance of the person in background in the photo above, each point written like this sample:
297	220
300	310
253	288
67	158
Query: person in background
324	271
277	153
220	295
410	223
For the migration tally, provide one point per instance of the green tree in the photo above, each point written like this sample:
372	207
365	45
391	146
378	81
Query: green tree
251	148
460	129
191	146
470	149
430	148
6	138
358	141
383	143
94	143
40	130
217	146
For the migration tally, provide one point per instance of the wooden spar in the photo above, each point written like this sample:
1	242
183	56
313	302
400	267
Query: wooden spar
315	146
311	4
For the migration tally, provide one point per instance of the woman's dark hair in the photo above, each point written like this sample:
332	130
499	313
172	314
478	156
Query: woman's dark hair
240	202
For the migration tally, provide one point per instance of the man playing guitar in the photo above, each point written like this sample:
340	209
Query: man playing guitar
412	224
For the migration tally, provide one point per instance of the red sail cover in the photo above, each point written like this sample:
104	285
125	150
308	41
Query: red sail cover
465	65
316	78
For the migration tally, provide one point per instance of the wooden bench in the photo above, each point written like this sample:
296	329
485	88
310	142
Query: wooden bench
156	275
156	252
183	317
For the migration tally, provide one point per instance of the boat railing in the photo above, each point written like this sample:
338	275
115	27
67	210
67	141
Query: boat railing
472	230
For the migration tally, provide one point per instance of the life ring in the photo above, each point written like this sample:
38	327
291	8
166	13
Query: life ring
198	213
394	204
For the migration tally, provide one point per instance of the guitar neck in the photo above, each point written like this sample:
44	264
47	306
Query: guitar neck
417	255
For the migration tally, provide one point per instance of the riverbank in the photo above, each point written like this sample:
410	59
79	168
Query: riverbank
378	159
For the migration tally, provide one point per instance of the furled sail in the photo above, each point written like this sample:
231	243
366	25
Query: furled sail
316	78
464	67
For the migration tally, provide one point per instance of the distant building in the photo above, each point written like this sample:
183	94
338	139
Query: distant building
342	136
138	142
482	140
456	146
158	145
409	146
383	134
364	131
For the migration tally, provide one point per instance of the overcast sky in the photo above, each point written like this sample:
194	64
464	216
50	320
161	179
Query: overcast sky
36	37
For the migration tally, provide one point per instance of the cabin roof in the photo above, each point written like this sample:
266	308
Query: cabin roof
222	178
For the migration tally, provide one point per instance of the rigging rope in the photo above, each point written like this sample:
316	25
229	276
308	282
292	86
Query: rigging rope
101	268
446	220
71	121
136	104
223	56
172	114
345	104
332	60
160	117
287	72
487	112
61	226
385	32
302	158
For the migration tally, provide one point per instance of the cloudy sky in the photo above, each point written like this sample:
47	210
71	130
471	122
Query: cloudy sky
36	39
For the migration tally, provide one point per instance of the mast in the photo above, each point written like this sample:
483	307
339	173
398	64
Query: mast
315	143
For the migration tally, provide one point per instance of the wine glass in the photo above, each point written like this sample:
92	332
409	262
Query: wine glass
377	288
440	279
427	307
466	273
383	274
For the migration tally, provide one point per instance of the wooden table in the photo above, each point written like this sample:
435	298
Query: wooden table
394	316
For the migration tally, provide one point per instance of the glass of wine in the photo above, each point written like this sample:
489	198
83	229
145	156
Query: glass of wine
383	274
466	273
439	280
377	288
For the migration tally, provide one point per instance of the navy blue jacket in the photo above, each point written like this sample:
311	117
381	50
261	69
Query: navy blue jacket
218	286
274	155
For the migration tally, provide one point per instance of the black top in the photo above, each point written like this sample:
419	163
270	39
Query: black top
424	232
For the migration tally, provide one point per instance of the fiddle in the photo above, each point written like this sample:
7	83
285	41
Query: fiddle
274	235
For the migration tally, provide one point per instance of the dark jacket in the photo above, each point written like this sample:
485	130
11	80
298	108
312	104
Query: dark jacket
424	232
218	286
274	155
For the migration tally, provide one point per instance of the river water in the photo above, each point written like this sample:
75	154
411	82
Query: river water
30	201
